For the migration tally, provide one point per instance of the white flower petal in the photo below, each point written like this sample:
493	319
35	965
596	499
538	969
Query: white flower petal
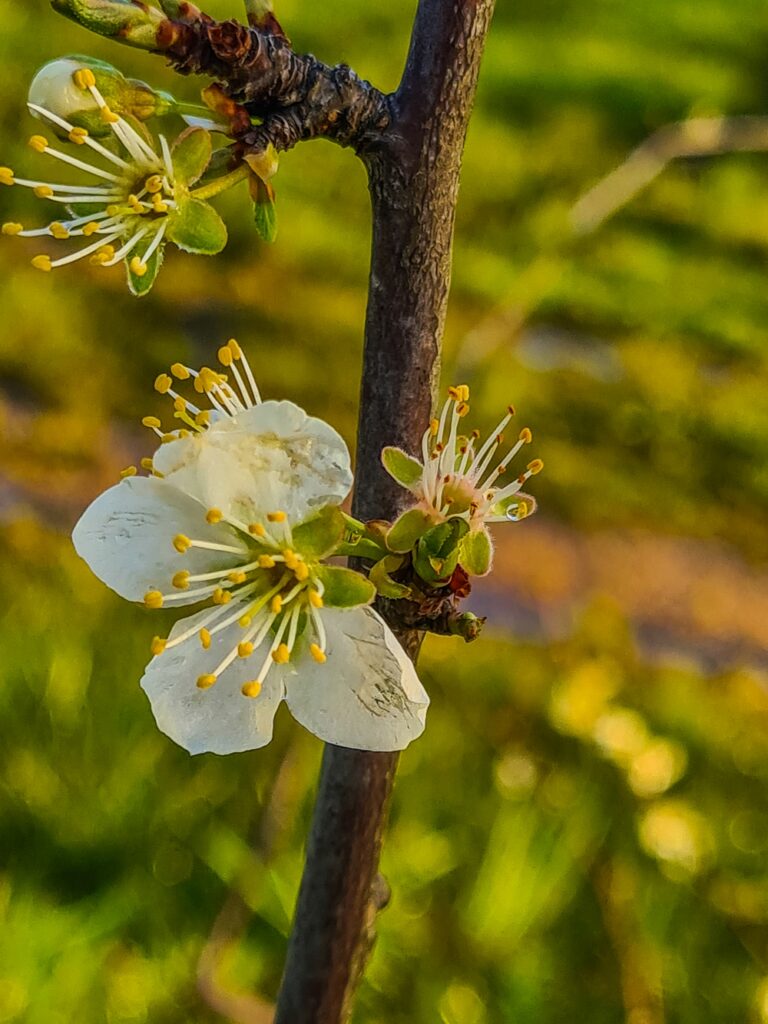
268	458
219	720
367	695
126	537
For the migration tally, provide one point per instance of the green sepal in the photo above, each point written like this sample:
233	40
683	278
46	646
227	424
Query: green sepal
437	551
382	580
476	552
195	226
143	285
406	530
361	547
321	535
344	588
191	155
401	466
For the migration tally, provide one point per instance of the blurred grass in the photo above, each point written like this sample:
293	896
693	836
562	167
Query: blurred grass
579	835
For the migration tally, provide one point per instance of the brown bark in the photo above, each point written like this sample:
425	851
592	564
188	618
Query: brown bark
414	177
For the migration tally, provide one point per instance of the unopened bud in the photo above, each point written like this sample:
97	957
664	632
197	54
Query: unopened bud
130	21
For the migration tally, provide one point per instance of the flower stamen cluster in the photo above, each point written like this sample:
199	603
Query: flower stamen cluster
130	203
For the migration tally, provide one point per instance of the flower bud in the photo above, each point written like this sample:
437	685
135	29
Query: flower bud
132	21
55	89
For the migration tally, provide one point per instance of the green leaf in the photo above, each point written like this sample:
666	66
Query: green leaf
437	552
406	530
264	209
361	547
402	467
344	588
191	155
141	285
476	552
194	226
321	535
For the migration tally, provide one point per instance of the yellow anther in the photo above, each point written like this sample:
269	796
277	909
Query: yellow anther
237	352
463	390
252	689
301	572
106	251
225	355
266	562
277	517
180	404
153	599
154	183
245	649
147	464
214	515
290	558
256	530
108	116
203	418
42	262
244	621
318	654
181	580
180	372
84	78
434	426
315	599
138	267
535	467
205	638
281	654
58	230
206	682
151	421
454	394
237	576
525	435
128	471
221	596
12	228
158	474
158	206
462	408
78	136
182	543
43	191
98	259
6	176
276	604
163	384
113	210
158	645
38	143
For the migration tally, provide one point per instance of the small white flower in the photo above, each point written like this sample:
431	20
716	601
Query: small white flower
213	524
137	196
460	479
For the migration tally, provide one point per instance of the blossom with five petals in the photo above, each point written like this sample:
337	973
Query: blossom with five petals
240	510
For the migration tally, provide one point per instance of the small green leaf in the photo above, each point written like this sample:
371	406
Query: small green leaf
344	588
476	552
191	155
361	547
194	226
406	530
382	580
437	552
264	209
321	535
142	284
402	467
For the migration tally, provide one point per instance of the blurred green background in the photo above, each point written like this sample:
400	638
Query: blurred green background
581	834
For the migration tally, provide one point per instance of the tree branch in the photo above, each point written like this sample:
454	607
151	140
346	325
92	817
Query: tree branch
414	176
